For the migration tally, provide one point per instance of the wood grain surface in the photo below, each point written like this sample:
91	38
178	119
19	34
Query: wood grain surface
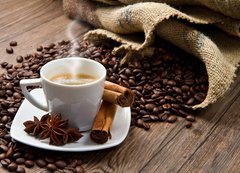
212	145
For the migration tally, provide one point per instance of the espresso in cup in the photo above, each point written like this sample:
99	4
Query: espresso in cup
73	79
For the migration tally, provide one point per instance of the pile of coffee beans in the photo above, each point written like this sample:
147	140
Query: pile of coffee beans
165	85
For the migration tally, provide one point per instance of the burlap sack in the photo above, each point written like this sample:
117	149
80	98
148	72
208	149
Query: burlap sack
219	49
229	8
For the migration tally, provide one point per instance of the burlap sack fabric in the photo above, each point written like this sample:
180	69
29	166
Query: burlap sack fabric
175	21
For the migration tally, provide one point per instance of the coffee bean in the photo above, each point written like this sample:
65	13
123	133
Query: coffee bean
2	156
4	64
5	162
171	82
190	101
39	48
9	50
200	96
188	125
13	43
154	117
9	151
19	59
146	126
60	164
20	170
3	148
41	163
140	122
8	67
155	110
20	160
79	169
17	95
163	116
29	163
17	155
49	159
190	118
177	90
172	118
12	166
51	167
166	106
150	106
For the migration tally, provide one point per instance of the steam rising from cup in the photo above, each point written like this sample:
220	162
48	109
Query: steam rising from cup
74	31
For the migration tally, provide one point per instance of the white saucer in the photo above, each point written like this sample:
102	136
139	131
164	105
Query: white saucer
119	130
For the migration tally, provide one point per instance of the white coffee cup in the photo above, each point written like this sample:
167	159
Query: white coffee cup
78	104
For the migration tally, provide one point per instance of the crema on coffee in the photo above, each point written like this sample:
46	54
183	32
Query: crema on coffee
73	79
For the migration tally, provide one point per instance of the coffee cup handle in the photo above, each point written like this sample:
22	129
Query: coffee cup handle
24	83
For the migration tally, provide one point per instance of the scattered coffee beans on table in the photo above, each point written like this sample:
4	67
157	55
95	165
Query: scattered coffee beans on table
163	84
9	50
13	43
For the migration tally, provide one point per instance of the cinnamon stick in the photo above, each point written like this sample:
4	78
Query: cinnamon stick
100	132
117	94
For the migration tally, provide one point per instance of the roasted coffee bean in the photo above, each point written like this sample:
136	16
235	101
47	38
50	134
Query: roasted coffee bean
2	156
190	118
19	59
17	155
3	148
172	118
20	160
190	101
29	163
9	50
166	106
79	169
9	151
188	125
8	67
20	169
163	116
140	122
5	162
150	106
200	96
171	82
49	159
39	48
4	64
146	126
13	43
12	167
29	156
41	163
51	167
73	163
60	164
154	117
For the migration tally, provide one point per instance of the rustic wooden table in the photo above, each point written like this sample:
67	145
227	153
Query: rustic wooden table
212	145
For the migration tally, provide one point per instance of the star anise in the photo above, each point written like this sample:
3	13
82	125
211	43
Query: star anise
35	127
55	129
73	134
